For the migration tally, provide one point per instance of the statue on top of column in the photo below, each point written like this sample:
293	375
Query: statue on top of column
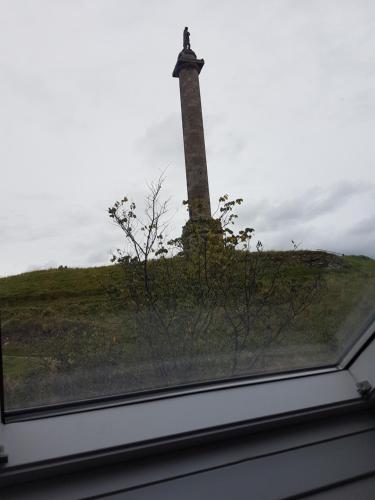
186	39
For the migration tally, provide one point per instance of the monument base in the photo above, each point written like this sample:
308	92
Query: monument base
202	234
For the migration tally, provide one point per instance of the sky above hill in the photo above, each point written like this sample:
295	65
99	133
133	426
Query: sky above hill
90	113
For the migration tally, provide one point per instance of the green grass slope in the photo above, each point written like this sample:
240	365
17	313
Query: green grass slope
59	320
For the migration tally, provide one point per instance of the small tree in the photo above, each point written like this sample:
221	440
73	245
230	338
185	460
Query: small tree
212	312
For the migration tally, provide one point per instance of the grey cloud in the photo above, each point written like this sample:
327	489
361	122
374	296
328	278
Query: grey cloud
312	237
28	87
38	228
162	141
358	247
364	228
310	205
356	239
223	141
39	197
98	258
46	265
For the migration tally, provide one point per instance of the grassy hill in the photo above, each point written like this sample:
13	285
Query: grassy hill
61	327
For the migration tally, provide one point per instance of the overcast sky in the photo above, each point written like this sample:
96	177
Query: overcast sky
90	113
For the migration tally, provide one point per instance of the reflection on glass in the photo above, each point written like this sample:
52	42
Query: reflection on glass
208	306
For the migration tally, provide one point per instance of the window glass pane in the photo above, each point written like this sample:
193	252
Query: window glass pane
109	283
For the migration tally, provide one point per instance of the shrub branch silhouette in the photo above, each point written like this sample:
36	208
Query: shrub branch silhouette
213	311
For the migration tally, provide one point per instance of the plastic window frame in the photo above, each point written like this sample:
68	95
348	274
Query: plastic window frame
46	444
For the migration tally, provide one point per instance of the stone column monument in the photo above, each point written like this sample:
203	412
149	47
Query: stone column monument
187	70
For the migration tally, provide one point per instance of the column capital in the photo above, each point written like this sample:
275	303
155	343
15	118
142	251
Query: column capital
187	59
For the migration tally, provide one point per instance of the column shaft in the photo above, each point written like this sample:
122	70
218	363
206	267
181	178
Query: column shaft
195	153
